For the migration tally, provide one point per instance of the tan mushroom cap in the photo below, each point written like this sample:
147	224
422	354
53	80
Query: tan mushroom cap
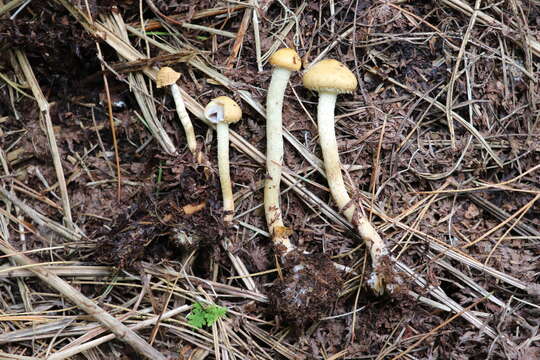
286	58
166	76
223	109
330	76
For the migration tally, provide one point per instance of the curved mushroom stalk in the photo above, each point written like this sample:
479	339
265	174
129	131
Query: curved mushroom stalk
166	76
330	78
223	111
284	61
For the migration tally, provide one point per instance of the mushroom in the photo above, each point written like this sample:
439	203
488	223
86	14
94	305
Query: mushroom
284	62
166	76
223	111
330	78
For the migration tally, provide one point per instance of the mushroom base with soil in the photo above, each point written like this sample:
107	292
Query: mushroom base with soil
308	287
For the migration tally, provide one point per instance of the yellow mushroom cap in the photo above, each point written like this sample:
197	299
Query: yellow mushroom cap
330	76
166	76
223	109
286	58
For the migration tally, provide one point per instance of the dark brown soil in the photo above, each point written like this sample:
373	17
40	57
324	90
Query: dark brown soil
307	288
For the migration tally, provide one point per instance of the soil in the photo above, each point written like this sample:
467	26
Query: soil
422	181
307	288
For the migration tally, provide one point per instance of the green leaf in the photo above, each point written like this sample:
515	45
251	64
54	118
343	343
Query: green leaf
213	313
205	316
196	317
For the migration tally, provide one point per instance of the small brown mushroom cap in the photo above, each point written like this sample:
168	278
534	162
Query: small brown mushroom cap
286	58
166	76
223	109
330	76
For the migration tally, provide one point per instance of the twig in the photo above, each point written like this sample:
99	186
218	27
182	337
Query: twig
70	351
257	35
138	65
119	329
10	6
113	129
239	37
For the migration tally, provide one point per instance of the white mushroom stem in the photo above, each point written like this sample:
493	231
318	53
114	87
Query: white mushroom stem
223	111
184	118
332	165
274	157
222	129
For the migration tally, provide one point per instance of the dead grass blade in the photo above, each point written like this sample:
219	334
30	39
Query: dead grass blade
442	107
485	19
270	340
521	228
69	351
453	78
10	6
115	24
441	325
442	297
39	218
44	109
119	329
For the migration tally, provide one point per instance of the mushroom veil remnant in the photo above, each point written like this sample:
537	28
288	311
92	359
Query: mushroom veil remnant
166	76
223	111
284	62
331	78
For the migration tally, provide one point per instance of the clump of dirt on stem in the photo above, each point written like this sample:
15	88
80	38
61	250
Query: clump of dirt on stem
307	289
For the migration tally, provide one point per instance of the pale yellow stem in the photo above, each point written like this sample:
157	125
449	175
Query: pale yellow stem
332	165
224	171
274	157
184	118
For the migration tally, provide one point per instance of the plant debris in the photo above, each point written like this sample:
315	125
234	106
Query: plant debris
439	148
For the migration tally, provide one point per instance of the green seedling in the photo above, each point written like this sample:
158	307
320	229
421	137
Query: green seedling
201	316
